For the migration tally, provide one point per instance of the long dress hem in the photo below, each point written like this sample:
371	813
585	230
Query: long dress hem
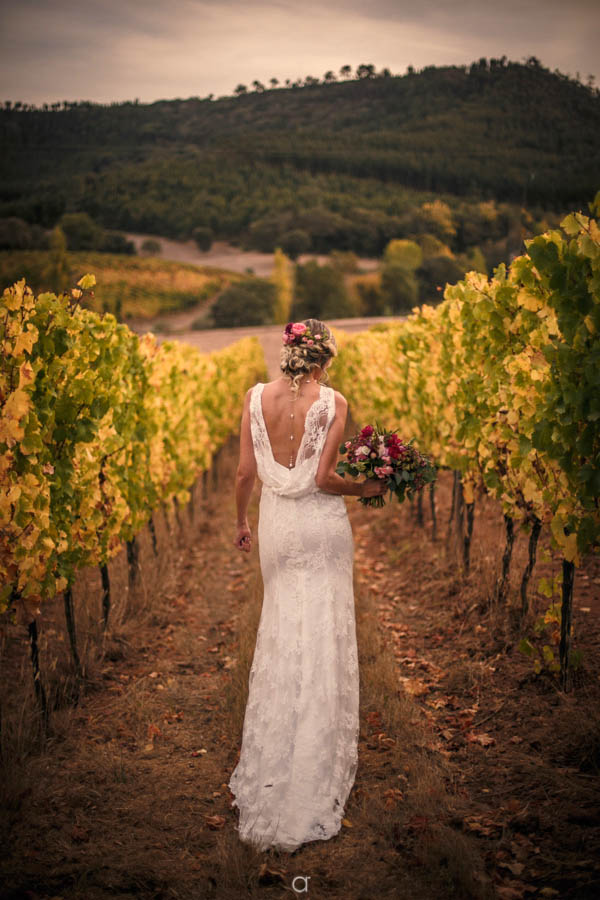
298	758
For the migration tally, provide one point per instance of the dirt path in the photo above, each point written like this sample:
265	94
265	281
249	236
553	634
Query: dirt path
226	256
130	797
525	756
476	778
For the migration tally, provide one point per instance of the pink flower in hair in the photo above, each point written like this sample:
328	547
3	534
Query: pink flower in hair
298	328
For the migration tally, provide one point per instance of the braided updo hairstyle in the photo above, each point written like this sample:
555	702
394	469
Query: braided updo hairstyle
303	354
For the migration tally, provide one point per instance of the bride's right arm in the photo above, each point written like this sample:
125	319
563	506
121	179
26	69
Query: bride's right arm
327	478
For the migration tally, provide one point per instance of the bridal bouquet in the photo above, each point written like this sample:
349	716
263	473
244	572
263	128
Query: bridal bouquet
379	453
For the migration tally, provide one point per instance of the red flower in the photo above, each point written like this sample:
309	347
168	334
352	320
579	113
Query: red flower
367	431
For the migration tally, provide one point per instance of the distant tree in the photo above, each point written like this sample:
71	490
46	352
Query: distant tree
385	73
410	70
321	293
258	85
344	260
288	82
371	301
273	82
57	274
15	234
329	77
346	71
401	252
151	247
433	275
203	237
80	231
295	242
432	246
283	279
114	242
399	286
241	89
249	302
437	218
310	80
399	289
365	70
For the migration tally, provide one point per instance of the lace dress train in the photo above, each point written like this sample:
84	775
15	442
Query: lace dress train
299	746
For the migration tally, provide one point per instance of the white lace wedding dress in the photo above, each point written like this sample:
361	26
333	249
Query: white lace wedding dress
300	738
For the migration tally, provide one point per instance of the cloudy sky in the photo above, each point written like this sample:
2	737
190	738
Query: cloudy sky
106	50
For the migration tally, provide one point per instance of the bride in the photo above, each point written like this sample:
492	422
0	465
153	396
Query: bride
299	757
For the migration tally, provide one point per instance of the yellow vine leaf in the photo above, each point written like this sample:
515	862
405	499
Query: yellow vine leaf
86	282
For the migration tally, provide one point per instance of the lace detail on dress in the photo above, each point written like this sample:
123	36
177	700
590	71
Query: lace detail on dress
299	745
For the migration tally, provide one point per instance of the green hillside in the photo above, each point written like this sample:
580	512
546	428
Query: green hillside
350	164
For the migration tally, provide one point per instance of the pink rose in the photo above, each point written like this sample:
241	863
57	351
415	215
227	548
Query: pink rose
310	342
382	471
317	337
298	328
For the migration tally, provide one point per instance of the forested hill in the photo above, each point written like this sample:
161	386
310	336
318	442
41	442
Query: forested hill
497	130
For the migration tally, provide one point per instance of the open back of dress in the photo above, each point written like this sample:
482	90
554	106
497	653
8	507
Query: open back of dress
299	746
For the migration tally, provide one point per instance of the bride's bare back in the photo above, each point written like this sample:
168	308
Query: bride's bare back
285	416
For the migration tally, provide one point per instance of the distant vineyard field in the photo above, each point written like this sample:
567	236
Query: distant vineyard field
144	287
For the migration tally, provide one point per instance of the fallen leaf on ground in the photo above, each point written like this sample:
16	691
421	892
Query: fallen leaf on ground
215	822
484	739
270	875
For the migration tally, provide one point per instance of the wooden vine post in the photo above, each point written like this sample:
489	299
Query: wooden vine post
420	509
40	693
568	577
177	516
536	526
470	509
132	560
502	583
152	528
105	594
72	632
433	513
449	530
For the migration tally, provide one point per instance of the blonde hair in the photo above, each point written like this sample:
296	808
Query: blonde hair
298	360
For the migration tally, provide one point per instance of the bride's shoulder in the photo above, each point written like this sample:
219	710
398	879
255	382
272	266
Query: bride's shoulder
340	401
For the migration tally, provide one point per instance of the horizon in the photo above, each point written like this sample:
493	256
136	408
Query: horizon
281	85
119	51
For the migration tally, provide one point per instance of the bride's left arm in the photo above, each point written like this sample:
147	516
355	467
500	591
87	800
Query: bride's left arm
244	479
327	478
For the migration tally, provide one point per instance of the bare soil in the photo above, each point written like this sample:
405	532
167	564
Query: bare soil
477	778
227	256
